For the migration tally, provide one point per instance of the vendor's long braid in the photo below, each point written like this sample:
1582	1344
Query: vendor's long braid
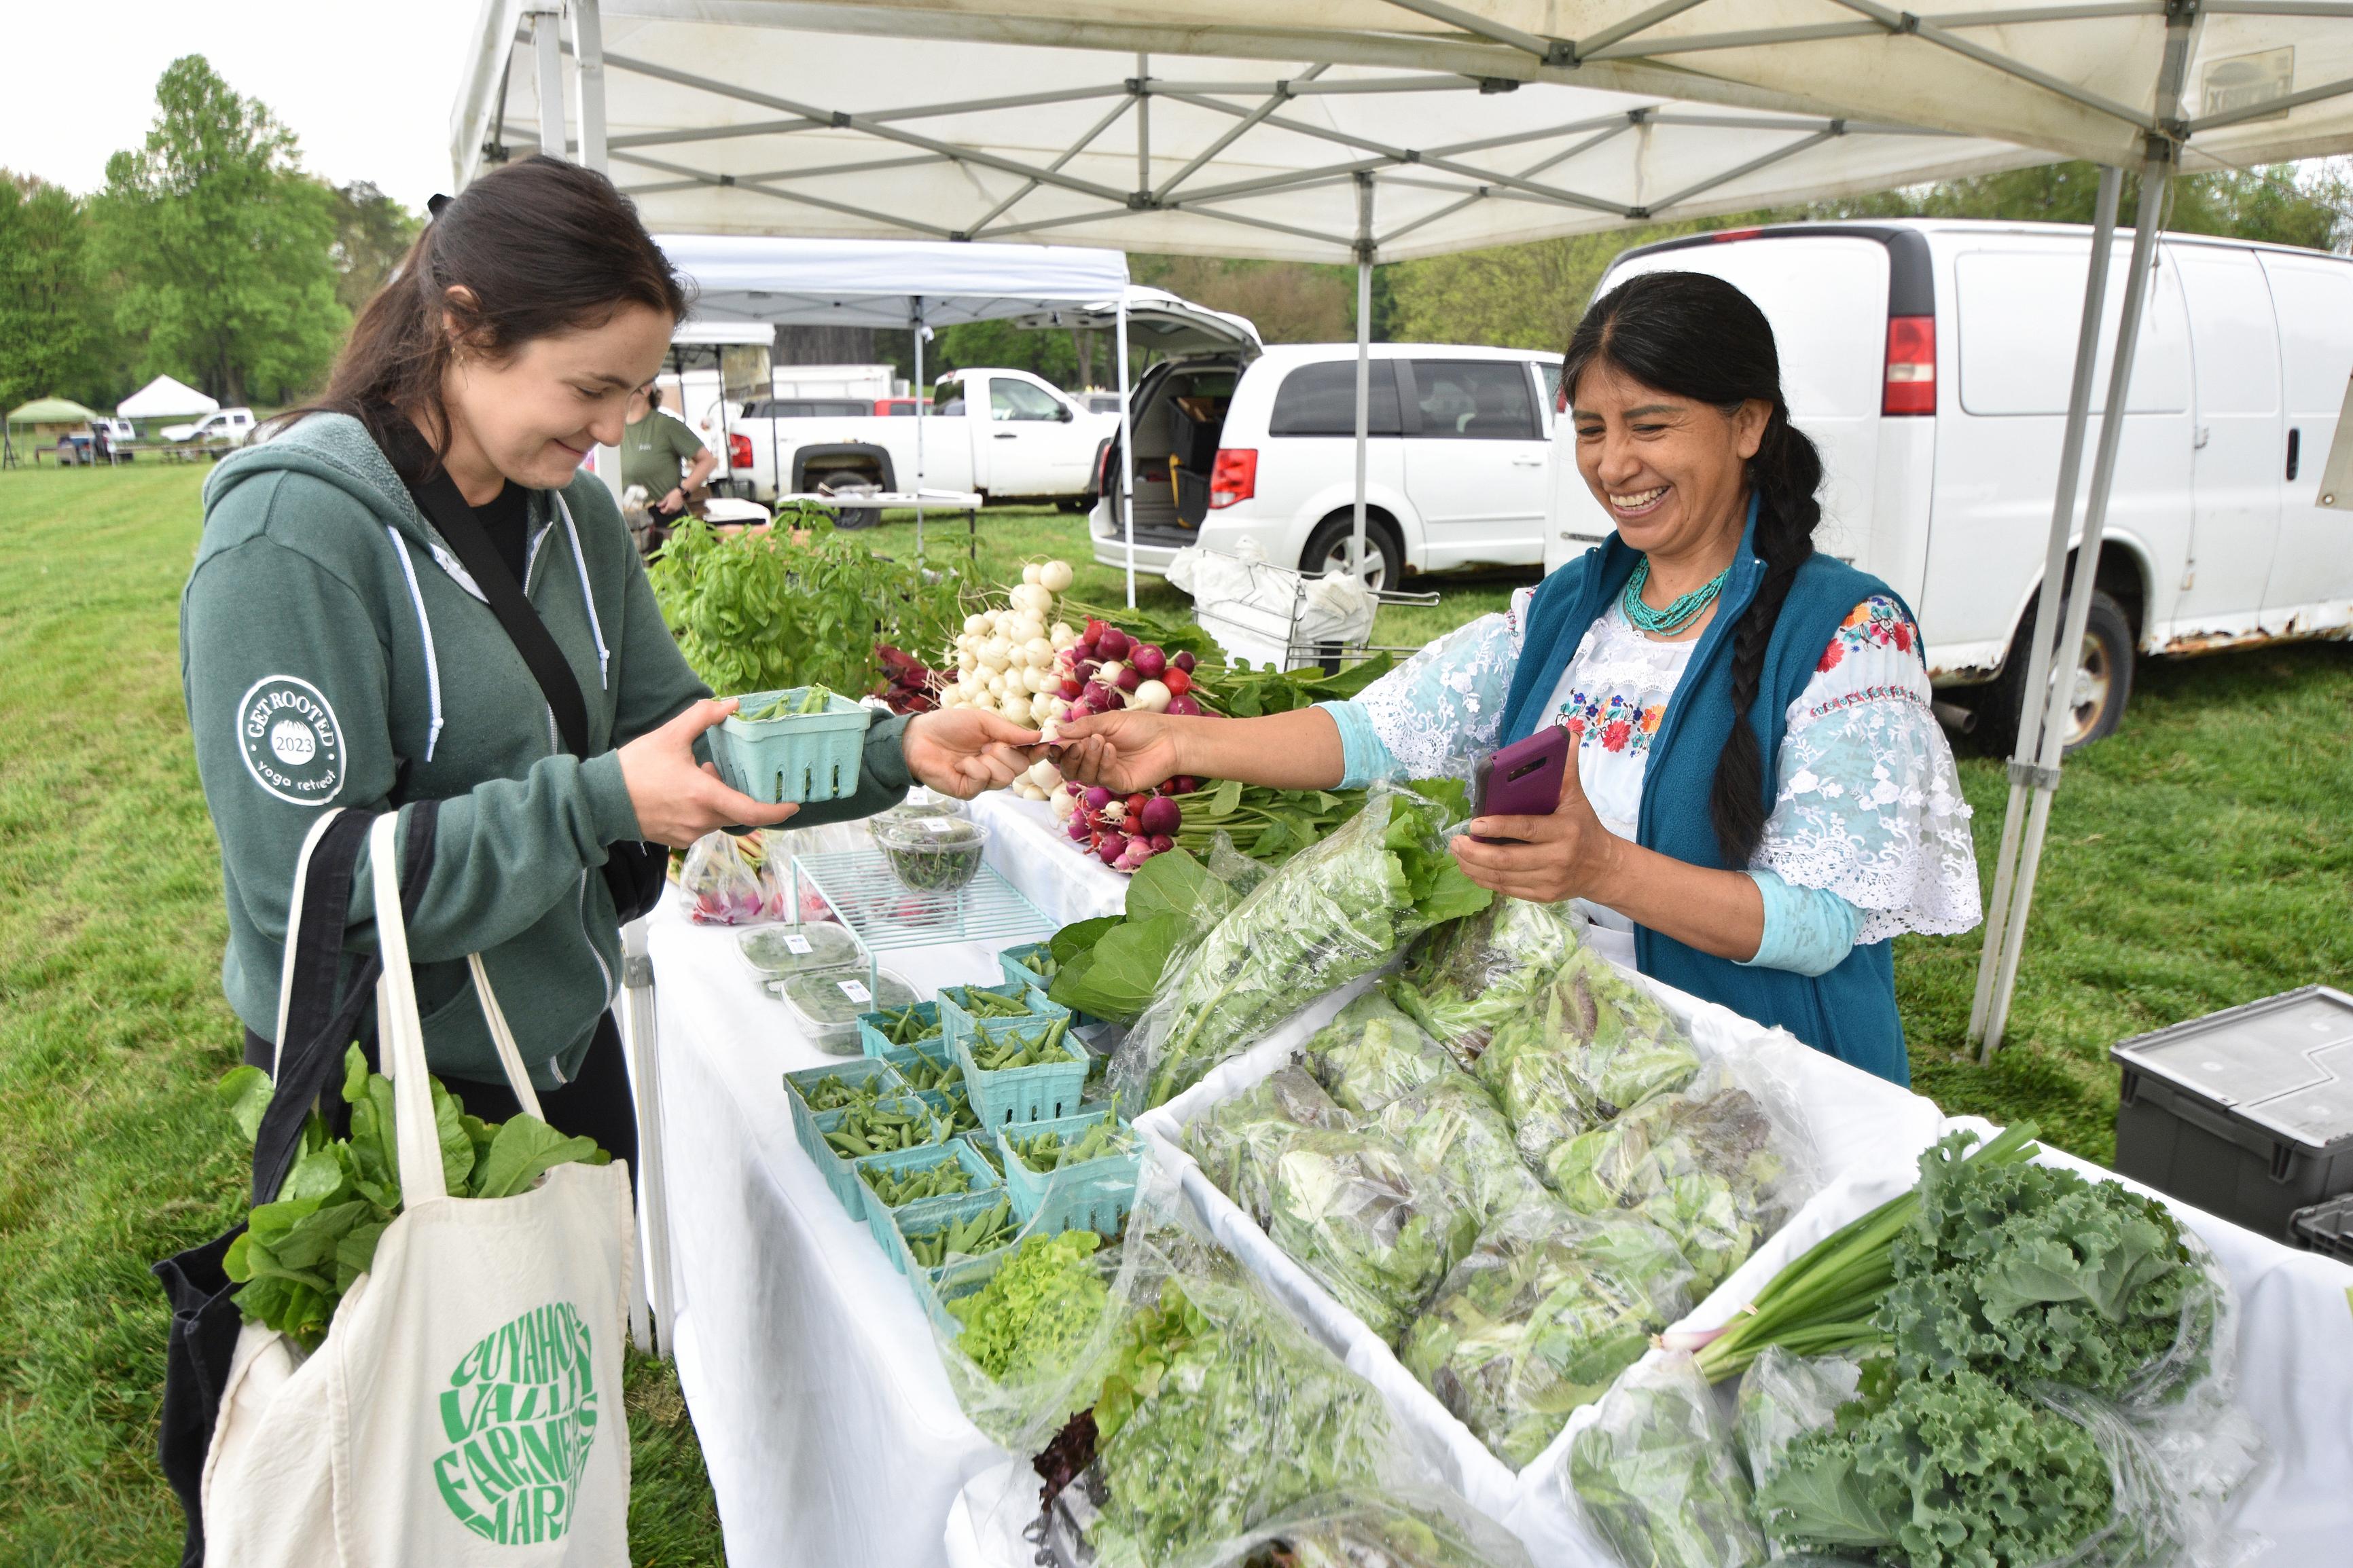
1786	472
1697	336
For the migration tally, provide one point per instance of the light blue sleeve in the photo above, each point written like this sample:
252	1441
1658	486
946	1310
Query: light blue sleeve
1428	717
1807	931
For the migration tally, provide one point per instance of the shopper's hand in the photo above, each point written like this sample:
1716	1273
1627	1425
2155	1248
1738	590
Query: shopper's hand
1568	855
1126	749
675	500
963	751
678	802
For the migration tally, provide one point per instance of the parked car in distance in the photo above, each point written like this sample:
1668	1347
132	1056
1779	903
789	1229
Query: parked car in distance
227	426
1097	401
104	439
903	407
809	408
1930	359
1235	440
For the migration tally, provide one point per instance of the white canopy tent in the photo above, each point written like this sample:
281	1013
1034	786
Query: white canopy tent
1384	130
164	398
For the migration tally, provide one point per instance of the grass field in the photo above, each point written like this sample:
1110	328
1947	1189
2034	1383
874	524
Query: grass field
2202	857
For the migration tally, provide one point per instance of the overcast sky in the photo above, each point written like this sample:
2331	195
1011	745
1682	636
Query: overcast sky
366	86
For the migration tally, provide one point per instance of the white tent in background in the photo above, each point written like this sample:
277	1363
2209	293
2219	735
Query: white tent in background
164	398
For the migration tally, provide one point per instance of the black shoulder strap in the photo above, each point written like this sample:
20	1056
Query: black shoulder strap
320	1022
439	499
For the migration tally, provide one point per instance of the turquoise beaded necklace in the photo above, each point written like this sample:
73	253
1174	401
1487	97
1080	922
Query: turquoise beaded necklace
1675	617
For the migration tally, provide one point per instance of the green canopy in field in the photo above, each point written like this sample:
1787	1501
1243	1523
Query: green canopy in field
51	411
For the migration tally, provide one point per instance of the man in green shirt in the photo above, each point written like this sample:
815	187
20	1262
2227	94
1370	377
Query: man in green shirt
653	445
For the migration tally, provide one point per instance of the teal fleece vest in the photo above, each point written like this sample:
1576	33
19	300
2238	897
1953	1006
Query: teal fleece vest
1849	1012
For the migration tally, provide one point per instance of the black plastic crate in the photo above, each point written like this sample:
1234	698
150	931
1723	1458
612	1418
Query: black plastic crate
2325	1227
2246	1114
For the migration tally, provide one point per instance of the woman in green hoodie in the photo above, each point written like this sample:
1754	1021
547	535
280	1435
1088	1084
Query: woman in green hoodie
336	651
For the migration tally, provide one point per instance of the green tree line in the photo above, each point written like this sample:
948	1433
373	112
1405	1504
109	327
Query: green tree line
210	255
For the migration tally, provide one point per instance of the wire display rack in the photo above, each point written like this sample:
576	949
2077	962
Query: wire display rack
1265	625
881	915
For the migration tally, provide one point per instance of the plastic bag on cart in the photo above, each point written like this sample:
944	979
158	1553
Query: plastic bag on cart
1463	978
732	881
1655	1475
1372	1053
1414	1527
1329	914
1719	1164
1543	1314
1219	1412
1963	1467
1239	1142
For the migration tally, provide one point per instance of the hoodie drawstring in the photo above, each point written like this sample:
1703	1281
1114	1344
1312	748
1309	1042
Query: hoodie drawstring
587	598
424	631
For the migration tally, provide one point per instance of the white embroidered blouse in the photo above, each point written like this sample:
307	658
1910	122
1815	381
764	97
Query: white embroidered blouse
1869	806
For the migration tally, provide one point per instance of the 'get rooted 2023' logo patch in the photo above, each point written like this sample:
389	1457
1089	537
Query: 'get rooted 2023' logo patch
521	1416
292	744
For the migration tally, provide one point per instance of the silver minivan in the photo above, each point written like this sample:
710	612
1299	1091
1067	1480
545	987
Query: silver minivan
1930	359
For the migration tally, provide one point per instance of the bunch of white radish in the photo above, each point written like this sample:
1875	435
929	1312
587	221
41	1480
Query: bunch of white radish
1005	660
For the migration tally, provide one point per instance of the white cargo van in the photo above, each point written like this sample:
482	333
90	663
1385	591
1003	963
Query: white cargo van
1233	442
1930	359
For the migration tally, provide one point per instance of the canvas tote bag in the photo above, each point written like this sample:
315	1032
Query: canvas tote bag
465	1407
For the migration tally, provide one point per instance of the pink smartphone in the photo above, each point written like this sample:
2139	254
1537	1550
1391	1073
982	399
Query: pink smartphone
1522	779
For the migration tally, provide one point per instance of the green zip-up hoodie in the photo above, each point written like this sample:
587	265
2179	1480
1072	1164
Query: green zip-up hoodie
334	653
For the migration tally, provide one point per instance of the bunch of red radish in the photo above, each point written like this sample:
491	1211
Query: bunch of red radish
1106	669
1122	831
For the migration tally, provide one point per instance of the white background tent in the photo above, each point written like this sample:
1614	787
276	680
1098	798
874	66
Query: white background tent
164	398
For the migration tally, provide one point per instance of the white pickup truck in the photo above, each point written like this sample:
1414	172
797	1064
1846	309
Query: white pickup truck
1004	433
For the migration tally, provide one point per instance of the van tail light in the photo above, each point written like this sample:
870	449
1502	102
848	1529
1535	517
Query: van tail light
1235	477
1911	365
739	451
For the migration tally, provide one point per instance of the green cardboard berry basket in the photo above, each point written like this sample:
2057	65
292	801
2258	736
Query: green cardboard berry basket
878	1044
1018	1095
955	1021
901	1224
909	1059
810	1126
1015	963
944	1103
1096	1194
799	757
899	1162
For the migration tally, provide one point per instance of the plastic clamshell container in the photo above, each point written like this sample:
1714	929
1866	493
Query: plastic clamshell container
800	757
2246	1114
930	855
1096	1193
1018	1096
900	1225
832	1027
2325	1228
775	952
870	1026
898	1162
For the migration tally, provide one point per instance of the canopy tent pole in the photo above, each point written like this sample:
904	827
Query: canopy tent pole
1126	456
2047	610
916	317
1363	249
547	56
2157	170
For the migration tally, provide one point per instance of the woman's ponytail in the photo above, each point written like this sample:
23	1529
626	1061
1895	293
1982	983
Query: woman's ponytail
1696	336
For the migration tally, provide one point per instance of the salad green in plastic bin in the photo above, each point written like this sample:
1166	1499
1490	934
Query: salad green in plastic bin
1588	1046
1372	1053
1464	979
1329	914
1031	1345
1372	1227
1543	1314
1238	1143
1656	1476
1718	1165
1451	1126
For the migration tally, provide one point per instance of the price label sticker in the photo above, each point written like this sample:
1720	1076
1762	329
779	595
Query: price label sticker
856	991
799	945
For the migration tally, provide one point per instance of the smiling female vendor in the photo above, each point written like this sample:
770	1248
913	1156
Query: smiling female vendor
1762	798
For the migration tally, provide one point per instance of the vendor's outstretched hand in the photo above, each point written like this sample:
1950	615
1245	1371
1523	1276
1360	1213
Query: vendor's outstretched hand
1128	750
677	802
1568	855
963	751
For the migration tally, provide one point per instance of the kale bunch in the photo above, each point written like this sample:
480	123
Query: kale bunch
1949	1471
1587	1046
2030	1271
1537	1319
1372	1053
1374	1228
1216	1415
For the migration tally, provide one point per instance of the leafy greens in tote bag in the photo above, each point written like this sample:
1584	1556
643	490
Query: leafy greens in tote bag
464	1405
